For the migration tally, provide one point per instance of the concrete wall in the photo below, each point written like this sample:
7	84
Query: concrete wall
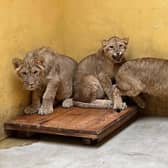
24	25
87	22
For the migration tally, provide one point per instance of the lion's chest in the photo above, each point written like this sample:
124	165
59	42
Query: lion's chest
108	68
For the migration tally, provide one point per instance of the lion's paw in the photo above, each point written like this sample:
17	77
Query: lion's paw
30	110
44	110
119	106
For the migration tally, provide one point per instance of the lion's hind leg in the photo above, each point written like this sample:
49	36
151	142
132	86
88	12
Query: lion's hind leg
87	92
88	89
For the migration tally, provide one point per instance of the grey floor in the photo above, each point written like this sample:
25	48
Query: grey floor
143	144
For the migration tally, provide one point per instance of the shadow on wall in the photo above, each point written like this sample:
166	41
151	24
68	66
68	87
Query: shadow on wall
156	106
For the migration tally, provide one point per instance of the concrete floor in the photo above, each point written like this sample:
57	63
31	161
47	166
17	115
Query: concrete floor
144	144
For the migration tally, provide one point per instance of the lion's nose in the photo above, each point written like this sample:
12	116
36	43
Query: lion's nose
31	83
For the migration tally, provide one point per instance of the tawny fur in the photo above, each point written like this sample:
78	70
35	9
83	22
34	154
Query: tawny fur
94	75
145	75
48	75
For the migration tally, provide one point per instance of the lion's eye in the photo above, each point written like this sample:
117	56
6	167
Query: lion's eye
111	47
120	45
24	73
35	72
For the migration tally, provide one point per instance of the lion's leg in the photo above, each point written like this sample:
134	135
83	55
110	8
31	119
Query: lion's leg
85	94
88	89
118	103
49	96
65	90
128	86
106	84
34	107
88	94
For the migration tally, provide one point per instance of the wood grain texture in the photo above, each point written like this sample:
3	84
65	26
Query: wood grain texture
77	122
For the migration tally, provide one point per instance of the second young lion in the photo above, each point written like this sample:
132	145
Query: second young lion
94	75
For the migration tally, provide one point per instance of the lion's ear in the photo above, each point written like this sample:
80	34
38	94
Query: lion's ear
104	43
17	62
125	40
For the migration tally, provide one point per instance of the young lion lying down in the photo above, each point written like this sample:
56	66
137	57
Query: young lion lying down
48	75
145	75
94	75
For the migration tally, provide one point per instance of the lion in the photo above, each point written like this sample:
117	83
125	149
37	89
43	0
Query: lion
48	75
94	75
138	76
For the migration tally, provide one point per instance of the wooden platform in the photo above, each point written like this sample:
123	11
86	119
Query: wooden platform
90	124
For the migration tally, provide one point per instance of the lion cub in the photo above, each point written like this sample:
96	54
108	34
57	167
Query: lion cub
144	75
48	75
93	78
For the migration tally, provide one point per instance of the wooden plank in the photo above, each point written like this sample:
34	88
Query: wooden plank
37	120
122	122
77	122
92	121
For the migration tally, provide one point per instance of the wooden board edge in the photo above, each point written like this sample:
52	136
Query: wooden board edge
45	130
121	123
132	111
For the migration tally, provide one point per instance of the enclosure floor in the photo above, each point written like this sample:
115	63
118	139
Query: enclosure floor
143	144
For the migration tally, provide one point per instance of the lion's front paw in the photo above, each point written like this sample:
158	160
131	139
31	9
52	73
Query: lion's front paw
45	109
31	109
119	106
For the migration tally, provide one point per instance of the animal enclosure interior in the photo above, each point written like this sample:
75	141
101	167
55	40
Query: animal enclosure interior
76	28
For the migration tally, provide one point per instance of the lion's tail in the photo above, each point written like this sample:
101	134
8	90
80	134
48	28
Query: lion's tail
99	103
